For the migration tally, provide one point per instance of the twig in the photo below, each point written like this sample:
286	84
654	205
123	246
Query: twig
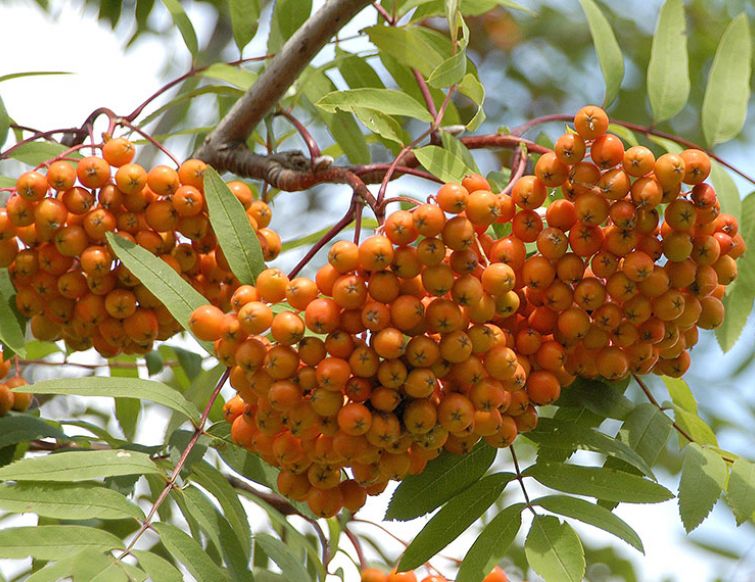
521	480
384	13
190	73
146	524
679	429
327	237
126	123
314	149
357	547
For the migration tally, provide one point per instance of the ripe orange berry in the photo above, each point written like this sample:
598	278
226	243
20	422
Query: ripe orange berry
207	323
591	122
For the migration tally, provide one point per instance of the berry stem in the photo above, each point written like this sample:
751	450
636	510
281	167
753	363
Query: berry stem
126	123
357	547
327	237
520	478
314	149
146	524
644	387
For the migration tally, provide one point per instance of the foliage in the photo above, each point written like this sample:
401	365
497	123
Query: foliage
98	487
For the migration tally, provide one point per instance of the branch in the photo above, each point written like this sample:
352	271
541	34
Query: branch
284	69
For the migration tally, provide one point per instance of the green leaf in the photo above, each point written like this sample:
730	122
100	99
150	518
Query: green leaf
190	554
741	491
236	76
491	545
158	568
625	134
183	24
453	519
218	529
554	551
591	514
409	45
281	554
450	71
600	482
738	299
11	332
154	362
177	295
461	151
602	398
468	7
680	393
127	410
20	428
54	542
695	426
668	71
245	15
342	126
386	101
217	485
357	72
472	88
64	501
728	90
4	122
647	430
236	237
32	74
726	190
608	50
703	479
117	388
442	163
79	466
441	480
738	305
288	17
567	435
381	124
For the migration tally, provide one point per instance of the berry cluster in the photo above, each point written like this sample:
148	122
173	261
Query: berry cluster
68	281
628	264
434	334
376	575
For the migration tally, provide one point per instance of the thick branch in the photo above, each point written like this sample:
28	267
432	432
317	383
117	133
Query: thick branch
284	69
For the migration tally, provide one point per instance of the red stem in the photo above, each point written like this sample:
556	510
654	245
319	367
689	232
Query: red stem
126	123
357	547
190	73
179	465
425	90
314	149
384	13
327	237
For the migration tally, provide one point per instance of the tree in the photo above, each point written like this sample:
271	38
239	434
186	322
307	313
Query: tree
134	261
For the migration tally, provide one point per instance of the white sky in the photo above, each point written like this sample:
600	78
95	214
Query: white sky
105	76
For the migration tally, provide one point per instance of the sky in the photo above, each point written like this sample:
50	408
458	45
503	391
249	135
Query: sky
104	75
